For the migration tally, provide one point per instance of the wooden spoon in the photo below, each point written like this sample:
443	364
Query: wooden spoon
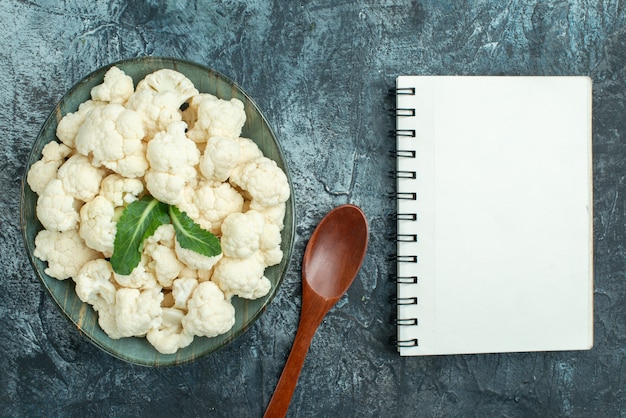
331	261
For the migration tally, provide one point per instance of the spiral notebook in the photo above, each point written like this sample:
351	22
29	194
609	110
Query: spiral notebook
494	214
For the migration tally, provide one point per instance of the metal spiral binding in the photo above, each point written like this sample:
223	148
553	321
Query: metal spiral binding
403	195
403	301
404	112
400	174
404	216
402	153
410	91
406	237
413	342
405	321
410	133
406	280
406	301
403	258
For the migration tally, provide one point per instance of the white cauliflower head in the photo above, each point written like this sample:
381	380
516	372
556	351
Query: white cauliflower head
94	282
190	116
269	245
248	150
42	171
220	156
140	278
137	311
80	178
97	226
116	88
172	158
241	233
119	190
65	252
274	215
158	99
56	209
215	203
163	260
216	117
68	126
182	288
242	277
169	336
112	136
196	260
263	180
106	318
209	312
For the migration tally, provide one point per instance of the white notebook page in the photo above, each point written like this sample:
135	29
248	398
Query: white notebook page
504	214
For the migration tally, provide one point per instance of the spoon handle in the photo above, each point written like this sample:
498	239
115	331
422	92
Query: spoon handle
279	404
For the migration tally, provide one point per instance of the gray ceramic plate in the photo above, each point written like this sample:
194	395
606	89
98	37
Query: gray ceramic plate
138	350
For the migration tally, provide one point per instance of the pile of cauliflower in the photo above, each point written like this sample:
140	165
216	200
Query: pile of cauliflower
184	148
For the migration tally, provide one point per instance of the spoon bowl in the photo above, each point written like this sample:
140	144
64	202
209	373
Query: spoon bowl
335	252
332	259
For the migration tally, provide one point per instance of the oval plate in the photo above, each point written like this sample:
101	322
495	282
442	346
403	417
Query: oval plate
138	350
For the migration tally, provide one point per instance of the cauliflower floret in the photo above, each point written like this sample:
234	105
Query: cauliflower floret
94	282
164	262
209	312
220	156
182	289
190	116
241	233
269	245
186	203
168	337
158	99
65	252
215	117
196	260
116	88
137	312
42	171
242	277
120	190
274	215
172	158
56	209
97	226
112	136
169	83
140	278
70	123
106	318
80	178
248	150
266	183
164	235
189	273
214	204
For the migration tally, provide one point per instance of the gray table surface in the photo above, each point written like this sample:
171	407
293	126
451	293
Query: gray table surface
320	71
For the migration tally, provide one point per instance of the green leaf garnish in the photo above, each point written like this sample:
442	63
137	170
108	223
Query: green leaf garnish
138	222
191	236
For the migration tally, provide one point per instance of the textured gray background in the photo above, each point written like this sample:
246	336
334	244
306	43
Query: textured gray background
320	71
